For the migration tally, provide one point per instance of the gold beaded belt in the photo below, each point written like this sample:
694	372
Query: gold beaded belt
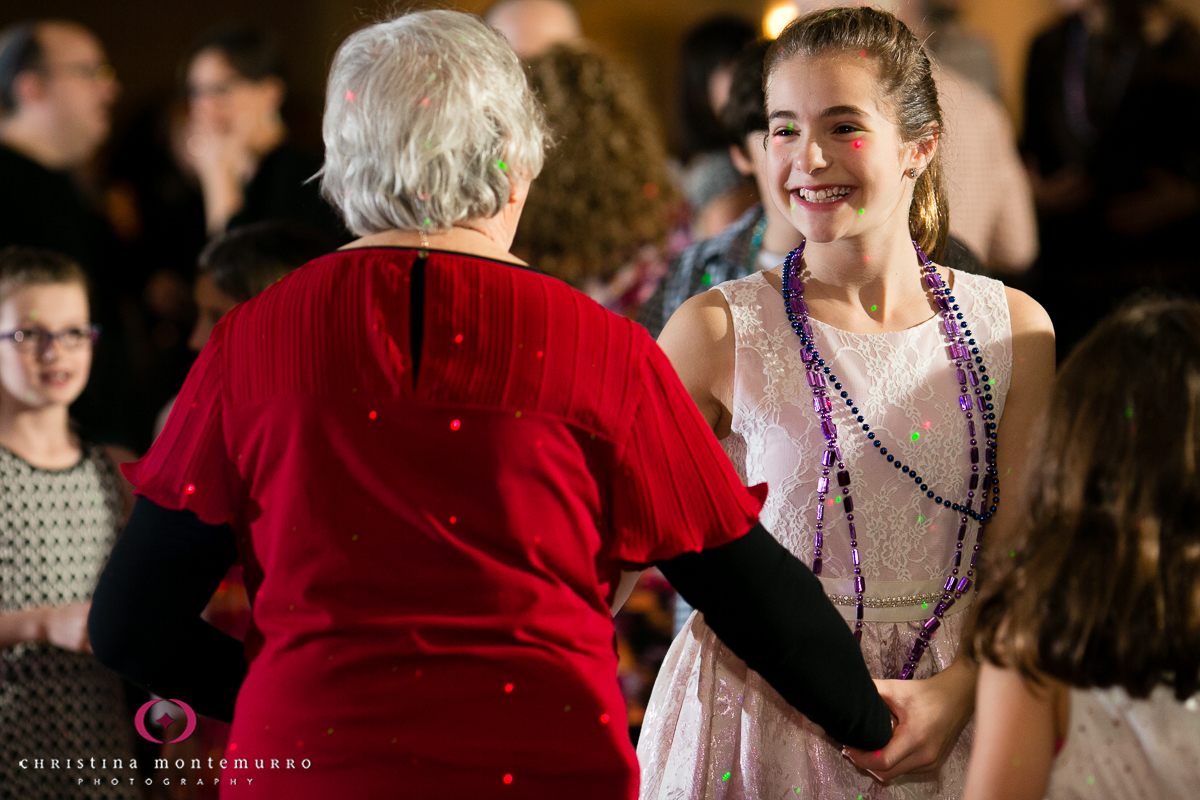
886	602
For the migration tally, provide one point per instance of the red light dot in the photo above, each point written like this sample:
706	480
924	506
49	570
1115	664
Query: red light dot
508	687
604	718
425	101
539	354
455	425
350	95
233	747
508	778
453	520
858	143
191	488
863	54
300	743
925	424
458	339
650	190
372	415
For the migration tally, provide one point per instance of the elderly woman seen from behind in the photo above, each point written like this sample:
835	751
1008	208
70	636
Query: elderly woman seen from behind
434	465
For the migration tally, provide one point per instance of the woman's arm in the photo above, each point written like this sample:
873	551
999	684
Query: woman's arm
145	621
933	712
1015	732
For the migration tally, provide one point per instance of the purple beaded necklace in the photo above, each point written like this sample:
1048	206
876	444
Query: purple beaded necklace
972	377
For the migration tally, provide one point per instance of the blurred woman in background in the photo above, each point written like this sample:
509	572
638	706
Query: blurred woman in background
237	142
603	215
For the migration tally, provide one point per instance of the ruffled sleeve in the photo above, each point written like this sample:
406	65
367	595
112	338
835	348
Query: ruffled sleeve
675	490
188	466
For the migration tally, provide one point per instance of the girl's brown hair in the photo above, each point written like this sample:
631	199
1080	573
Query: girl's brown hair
604	192
907	84
1100	585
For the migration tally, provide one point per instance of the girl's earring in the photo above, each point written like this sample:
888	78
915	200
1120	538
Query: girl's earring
912	172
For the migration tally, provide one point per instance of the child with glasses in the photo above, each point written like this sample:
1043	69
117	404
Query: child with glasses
62	503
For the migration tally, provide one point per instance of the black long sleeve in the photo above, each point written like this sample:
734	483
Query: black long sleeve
772	612
145	619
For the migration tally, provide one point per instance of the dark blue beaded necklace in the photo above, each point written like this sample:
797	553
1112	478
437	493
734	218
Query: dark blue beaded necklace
972	378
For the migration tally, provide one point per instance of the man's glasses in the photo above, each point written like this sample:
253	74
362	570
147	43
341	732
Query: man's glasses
34	340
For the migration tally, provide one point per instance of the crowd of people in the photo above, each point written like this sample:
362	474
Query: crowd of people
513	444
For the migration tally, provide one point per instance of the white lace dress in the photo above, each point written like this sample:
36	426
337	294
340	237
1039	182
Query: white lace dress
1119	748
715	729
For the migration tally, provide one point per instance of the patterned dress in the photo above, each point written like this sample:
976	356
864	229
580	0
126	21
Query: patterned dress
56	530
1120	748
715	729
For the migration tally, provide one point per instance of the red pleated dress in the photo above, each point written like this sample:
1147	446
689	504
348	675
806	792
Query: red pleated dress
430	556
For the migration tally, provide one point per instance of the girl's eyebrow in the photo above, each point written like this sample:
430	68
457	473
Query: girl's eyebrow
837	111
832	111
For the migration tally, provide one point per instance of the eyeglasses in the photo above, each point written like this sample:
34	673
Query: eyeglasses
103	72
35	340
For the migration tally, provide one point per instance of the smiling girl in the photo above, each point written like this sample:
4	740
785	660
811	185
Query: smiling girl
880	396
62	503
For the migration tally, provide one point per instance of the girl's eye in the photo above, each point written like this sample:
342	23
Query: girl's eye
846	128
784	131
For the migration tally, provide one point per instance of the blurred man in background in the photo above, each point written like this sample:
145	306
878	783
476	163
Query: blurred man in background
533	26
56	92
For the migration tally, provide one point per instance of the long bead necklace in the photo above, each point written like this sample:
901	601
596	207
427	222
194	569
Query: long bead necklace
972	378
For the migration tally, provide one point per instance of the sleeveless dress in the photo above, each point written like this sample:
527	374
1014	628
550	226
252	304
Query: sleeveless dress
57	528
713	728
1119	748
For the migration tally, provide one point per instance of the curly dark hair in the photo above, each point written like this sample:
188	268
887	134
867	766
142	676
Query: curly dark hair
1100	586
605	192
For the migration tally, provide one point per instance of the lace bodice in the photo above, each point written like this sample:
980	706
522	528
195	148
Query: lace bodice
905	388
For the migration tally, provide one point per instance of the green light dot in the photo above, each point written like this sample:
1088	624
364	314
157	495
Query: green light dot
924	605
837	499
1012	553
566	708
1128	413
725	777
791	126
329	731
920	519
503	167
428	222
1091	780
707	279
916	436
874	308
354	538
862	211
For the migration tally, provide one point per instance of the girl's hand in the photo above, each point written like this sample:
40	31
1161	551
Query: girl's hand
930	714
66	627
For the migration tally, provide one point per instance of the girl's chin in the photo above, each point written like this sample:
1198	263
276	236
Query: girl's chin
52	396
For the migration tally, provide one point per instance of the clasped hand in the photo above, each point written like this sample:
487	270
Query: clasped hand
929	715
